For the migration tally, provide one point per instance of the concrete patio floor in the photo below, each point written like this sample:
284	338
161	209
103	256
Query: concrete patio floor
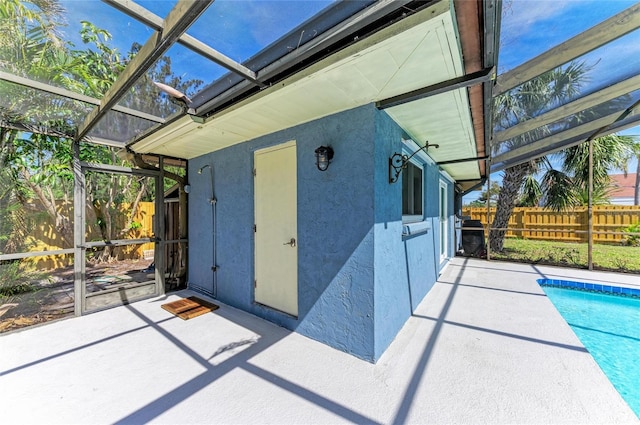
484	346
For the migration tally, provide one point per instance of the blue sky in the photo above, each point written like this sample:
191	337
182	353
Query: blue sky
236	28
530	27
240	28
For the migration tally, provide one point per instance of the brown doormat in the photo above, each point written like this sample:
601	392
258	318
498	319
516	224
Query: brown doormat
187	308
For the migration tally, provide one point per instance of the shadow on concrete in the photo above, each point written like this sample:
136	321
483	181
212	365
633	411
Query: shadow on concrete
240	360
81	347
409	396
492	289
212	372
509	335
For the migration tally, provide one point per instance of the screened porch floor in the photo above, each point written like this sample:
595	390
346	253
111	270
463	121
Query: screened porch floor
484	346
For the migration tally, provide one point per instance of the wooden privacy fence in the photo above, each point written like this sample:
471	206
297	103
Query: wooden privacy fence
43	236
567	226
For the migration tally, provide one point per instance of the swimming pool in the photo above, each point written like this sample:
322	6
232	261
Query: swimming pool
607	322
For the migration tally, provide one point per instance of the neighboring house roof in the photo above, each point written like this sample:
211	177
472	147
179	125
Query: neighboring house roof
625	185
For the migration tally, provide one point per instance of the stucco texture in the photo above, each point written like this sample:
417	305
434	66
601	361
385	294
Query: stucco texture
358	279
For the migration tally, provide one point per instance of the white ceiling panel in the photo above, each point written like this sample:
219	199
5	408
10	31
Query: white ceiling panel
463	170
417	52
444	119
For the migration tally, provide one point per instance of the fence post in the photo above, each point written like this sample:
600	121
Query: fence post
488	171
79	220
590	207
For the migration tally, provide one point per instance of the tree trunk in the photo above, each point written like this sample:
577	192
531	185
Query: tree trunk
62	223
99	210
511	184
134	208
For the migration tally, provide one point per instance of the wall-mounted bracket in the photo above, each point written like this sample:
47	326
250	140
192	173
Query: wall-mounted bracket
398	162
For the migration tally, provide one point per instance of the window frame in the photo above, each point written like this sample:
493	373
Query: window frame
418	161
443	219
410	192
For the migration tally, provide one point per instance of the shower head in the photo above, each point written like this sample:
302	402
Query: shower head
202	168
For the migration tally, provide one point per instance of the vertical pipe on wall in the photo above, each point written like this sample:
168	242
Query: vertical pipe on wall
213	201
590	209
214	267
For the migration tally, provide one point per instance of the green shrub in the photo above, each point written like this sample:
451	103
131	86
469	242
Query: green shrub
14	280
632	240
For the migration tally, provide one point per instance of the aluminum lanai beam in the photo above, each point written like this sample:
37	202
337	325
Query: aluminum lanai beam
616	127
458	161
594	99
184	13
472	79
492	18
555	139
151	20
75	96
105	142
599	35
627	123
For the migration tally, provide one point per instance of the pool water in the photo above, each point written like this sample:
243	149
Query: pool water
609	327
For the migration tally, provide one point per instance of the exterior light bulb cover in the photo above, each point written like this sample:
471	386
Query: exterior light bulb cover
324	155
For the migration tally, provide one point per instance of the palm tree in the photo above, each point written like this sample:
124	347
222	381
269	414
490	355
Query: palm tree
527	101
568	186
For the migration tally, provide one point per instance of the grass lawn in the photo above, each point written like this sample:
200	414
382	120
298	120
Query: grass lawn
605	257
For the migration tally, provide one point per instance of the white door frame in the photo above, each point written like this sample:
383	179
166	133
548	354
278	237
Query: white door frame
276	232
443	219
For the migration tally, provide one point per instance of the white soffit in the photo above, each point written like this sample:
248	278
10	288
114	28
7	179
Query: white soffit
462	170
418	51
444	119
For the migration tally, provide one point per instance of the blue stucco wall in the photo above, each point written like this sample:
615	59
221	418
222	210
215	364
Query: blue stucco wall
358	278
405	267
335	230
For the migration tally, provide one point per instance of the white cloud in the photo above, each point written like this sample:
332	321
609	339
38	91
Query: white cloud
520	16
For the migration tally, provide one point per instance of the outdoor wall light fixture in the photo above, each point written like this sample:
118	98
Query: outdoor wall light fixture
324	155
398	161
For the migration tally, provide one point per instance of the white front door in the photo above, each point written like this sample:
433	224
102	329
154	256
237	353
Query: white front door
444	234
276	228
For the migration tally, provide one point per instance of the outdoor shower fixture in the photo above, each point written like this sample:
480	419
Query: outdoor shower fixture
398	161
324	155
214	248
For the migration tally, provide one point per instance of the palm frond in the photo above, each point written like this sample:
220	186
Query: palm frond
531	192
559	191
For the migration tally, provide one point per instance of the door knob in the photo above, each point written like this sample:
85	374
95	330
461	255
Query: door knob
292	242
